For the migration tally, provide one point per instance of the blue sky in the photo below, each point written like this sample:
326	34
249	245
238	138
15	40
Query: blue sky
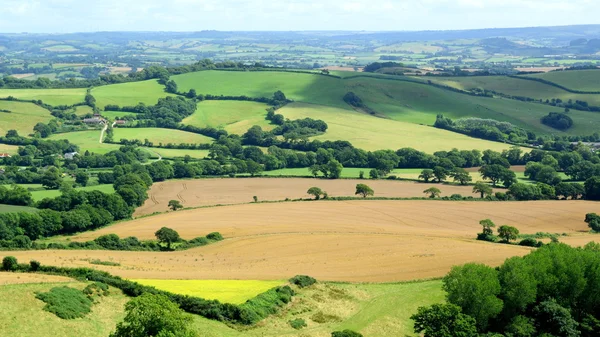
62	16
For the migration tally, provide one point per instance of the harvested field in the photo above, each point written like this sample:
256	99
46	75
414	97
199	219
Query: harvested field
209	192
22	278
374	241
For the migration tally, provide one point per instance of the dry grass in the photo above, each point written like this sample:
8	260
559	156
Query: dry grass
207	192
22	278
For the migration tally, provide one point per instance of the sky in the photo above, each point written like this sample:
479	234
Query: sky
65	16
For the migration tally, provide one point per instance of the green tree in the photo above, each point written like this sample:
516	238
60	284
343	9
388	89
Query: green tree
433	192
488	226
440	173
82	178
253	167
521	326
335	169
593	221
154	316
167	235
52	179
592	188
497	173
9	263
443	320
175	205
346	333
426	175
316	192
508	233
171	87
483	189
556	320
462	176
474	288
364	190
191	94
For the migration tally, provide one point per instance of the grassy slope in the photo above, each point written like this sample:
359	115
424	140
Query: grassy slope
584	80
87	140
129	94
23	118
10	149
49	96
158	135
12	208
233	116
372	133
21	314
39	195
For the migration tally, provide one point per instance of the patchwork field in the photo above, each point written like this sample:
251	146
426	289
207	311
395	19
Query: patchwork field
23	117
158	135
208	192
86	140
233	116
129	94
49	96
227	291
583	80
358	241
372	133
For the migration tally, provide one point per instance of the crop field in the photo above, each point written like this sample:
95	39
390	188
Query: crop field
86	140
227	291
23	278
23	117
372	133
158	135
233	116
355	241
13	208
129	94
39	195
53	97
210	192
583	80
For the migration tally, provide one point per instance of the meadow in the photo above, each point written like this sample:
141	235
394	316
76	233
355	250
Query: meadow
129	94
158	135
23	117
39	195
10	149
12	208
53	97
233	116
87	141
582	80
175	153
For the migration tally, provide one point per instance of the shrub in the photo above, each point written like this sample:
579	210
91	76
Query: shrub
297	323
321	317
487	237
346	333
105	263
199	241
456	197
303	281
529	242
593	221
66	303
9	263
34	265
215	236
96	289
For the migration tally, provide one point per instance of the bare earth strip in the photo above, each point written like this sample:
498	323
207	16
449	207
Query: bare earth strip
369	241
22	278
208	192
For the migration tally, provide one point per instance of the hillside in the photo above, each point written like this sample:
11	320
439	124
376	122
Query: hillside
582	80
22	117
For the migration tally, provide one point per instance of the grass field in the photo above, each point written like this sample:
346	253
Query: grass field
86	140
39	195
10	149
23	117
129	94
583	80
112	115
372	133
176	153
158	135
226	291
209	192
12	208
233	116
49	96
83	110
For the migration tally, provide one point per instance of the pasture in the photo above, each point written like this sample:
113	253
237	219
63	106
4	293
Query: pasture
160	136
372	133
176	153
227	291
53	97
13	208
87	141
583	80
129	94
355	241
39	195
232	116
23	117
10	149
210	192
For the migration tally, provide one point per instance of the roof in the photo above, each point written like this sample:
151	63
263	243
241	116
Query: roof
4	155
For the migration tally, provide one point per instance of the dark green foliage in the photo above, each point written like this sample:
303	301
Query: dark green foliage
346	333
297	323
353	100
508	233
558	120
554	319
167	235
9	263
444	320
265	304
303	281
483	128
364	190
593	221
105	263
96	289
592	188
214	236
373	67
66	303
34	265
530	242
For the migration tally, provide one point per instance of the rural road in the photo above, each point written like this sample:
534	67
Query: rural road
104	130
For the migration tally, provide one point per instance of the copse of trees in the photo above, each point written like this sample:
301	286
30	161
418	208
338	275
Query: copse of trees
558	120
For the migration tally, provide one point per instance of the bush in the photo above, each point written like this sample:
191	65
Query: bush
34	265
66	303
215	236
529	242
456	197
105	263
321	317
558	120
297	323
303	281
96	289
9	263
487	237
346	333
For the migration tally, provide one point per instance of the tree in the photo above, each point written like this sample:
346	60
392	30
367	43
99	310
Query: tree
191	93
593	221
462	176
335	169
497	173
488	226
171	87
433	192
154	316
253	167
316	192
82	178
592	188
482	188
474	287
346	333
167	235
90	100
52	179
443	320
279	96
9	263
508	233
440	173
556	320
364	190
175	205
426	175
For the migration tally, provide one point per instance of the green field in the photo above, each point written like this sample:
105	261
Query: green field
87	141
12	208
233	116
226	291
113	115
158	135
372	133
53	97
39	195
129	94
82	110
10	149
582	80
23	117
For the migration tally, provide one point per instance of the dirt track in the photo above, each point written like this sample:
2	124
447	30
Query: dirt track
208	192
375	241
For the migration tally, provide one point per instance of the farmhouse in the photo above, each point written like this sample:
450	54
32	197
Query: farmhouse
4	155
94	120
120	122
70	155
